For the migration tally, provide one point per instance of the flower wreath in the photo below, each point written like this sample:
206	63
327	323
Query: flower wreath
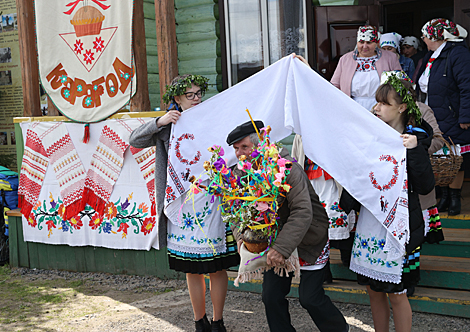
179	87
406	95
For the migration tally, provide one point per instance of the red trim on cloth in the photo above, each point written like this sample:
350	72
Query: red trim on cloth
93	200
24	205
314	173
73	209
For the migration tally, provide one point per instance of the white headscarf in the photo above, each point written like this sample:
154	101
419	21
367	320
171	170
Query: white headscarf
411	40
391	39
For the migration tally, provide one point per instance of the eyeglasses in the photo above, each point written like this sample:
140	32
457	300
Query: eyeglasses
192	95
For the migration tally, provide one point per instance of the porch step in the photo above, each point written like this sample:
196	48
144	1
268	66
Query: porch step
425	299
429	263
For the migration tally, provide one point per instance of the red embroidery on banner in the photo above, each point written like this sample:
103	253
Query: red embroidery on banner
392	181
197	157
391	216
170	194
98	44
78	47
176	180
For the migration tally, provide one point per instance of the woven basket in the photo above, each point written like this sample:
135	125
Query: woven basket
445	167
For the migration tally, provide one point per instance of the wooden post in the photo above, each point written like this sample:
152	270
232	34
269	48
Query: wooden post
51	109
140	102
166	43
29	63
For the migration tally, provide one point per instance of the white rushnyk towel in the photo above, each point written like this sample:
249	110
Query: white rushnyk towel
363	153
130	187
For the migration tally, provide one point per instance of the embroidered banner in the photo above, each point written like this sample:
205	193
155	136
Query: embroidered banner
128	218
85	55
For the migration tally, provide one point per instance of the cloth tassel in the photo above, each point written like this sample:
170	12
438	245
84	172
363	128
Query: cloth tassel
94	201
86	134
249	275
25	206
73	209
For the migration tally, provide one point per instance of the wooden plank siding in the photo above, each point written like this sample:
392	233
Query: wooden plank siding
152	58
198	44
197	25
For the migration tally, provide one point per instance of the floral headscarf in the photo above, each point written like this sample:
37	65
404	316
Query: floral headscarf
368	33
443	29
391	39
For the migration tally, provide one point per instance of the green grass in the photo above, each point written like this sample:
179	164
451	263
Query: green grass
22	301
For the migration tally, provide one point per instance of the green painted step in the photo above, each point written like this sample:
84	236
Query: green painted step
430	300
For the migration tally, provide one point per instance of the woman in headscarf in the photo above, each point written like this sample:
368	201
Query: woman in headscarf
358	72
444	85
391	42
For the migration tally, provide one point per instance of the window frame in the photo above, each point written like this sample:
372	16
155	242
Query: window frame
226	45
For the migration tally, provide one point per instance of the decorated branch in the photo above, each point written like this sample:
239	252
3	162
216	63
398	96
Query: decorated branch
250	199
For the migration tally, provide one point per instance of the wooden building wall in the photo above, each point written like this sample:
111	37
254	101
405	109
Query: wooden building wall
197	29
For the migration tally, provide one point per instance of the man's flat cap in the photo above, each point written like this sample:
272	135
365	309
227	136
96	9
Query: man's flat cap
243	131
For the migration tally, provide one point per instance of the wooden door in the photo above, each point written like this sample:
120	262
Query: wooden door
335	31
462	15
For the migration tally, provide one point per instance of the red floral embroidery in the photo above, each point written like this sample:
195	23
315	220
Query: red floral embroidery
78	47
123	228
393	181
76	222
88	57
95	221
32	220
147	225
178	152
98	44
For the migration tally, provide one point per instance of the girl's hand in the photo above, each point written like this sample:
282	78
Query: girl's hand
409	141
301	58
170	117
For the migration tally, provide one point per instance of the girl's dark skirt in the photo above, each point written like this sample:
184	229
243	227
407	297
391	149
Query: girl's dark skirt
202	264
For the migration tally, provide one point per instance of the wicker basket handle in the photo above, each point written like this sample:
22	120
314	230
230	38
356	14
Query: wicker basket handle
451	148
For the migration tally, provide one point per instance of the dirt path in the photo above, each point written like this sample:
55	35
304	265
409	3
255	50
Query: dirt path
39	300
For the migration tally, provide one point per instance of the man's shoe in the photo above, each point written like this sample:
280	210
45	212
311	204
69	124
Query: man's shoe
203	325
218	326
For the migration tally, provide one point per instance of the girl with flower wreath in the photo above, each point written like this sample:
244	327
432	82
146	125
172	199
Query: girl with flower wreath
187	252
396	106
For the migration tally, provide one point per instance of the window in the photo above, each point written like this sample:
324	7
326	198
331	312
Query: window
260	32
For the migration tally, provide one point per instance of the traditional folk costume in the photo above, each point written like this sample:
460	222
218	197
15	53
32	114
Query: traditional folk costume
328	191
443	82
394	39
359	77
198	241
376	260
